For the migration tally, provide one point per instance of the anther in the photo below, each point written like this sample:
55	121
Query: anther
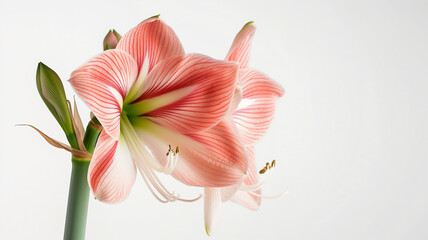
272	164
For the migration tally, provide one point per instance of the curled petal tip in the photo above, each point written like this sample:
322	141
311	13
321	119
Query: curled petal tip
207	230
249	24
152	18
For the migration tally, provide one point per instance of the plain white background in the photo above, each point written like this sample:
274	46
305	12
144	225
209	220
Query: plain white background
350	136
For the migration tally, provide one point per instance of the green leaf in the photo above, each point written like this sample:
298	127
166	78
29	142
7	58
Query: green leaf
52	92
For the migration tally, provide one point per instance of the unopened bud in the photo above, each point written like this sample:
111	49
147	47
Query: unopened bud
111	40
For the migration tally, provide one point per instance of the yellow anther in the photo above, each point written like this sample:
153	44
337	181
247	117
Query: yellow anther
263	170
177	149
272	164
268	166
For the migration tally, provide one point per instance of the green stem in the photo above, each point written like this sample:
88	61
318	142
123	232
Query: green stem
78	196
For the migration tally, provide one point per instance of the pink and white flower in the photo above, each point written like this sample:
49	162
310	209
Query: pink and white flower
149	95
252	111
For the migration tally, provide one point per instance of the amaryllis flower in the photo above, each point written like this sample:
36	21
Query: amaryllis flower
251	112
153	100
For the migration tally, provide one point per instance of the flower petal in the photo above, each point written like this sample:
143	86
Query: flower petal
221	162
247	200
188	93
212	206
151	39
244	198
257	108
240	49
102	83
236	99
111	171
228	192
212	158
257	85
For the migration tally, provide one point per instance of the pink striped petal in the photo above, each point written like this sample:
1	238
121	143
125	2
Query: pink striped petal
151	39
257	85
193	92
102	83
236	100
247	200
220	161
240	49
111	171
244	198
228	192
256	111
249	179
212	158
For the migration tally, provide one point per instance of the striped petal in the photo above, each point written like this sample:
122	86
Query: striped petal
243	198
111	171
102	83
228	192
217	160
212	158
153	40
240	49
187	93
257	107
212	207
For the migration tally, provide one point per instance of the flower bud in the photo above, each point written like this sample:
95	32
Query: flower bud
111	40
52	93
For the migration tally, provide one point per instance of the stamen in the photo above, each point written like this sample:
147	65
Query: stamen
262	179
272	164
152	181
268	197
134	141
172	158
146	164
267	167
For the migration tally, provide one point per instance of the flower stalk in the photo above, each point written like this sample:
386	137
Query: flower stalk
78	197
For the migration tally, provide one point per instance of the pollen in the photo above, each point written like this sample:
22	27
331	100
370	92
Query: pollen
267	167
170	150
272	164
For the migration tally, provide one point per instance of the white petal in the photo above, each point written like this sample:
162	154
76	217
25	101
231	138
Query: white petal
212	205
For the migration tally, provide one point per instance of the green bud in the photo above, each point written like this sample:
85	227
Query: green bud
52	92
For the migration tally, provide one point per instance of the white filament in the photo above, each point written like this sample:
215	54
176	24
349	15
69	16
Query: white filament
269	197
146	164
140	150
261	180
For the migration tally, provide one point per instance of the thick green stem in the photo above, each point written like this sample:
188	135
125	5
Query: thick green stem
78	196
